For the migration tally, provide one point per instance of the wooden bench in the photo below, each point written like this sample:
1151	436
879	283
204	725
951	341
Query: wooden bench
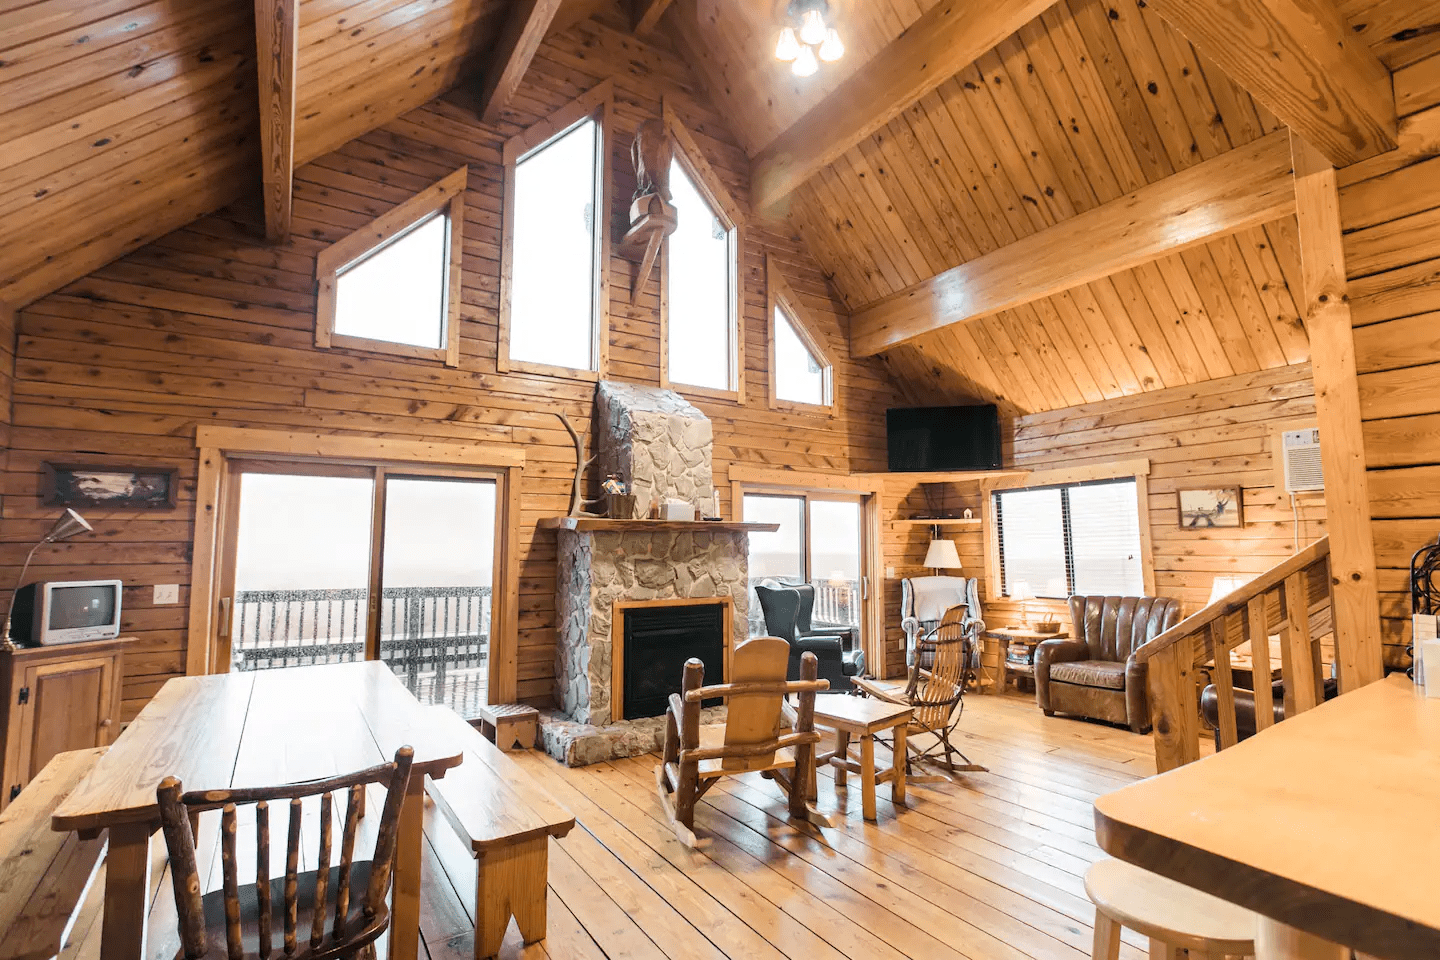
508	821
44	873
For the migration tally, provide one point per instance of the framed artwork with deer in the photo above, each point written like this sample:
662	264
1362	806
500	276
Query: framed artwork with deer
1206	508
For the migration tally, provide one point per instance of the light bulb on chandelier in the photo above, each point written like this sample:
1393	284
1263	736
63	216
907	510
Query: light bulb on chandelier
787	48
805	63
812	27
832	49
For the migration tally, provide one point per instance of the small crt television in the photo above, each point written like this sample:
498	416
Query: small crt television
66	611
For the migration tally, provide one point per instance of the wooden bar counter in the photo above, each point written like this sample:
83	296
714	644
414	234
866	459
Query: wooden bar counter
1324	824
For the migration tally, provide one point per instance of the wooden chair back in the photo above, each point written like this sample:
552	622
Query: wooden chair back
934	692
352	928
756	698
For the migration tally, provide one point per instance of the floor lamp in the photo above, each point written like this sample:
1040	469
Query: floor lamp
66	526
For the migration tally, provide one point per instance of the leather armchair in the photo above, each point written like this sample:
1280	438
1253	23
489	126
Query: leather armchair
1093	672
783	607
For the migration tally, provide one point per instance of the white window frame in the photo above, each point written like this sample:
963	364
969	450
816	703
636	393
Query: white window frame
591	105
447	196
1138	470
730	214
780	294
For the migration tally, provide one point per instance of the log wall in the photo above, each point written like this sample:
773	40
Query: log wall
1217	433
1390	212
211	325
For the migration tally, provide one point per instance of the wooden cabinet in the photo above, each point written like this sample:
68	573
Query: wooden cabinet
56	699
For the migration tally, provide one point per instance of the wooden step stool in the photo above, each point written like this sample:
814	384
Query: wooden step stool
510	726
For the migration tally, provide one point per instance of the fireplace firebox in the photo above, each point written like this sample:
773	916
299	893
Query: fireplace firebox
657	642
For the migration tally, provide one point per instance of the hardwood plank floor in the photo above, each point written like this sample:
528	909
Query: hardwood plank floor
988	868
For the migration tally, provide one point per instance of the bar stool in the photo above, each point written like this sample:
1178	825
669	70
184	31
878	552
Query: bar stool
1175	917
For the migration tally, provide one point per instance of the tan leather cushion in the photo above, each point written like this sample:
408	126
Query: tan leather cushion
1106	674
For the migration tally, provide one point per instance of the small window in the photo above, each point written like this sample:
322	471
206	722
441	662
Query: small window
391	287
701	290
801	375
553	292
1073	539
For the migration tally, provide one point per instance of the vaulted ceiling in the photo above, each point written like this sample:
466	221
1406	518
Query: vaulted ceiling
1086	103
124	119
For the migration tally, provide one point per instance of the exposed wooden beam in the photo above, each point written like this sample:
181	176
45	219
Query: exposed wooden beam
529	21
1300	59
645	14
1326	306
277	35
948	38
1236	190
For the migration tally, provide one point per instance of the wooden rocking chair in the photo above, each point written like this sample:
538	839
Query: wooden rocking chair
935	695
753	738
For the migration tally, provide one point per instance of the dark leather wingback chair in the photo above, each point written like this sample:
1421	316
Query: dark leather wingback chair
1093	673
787	610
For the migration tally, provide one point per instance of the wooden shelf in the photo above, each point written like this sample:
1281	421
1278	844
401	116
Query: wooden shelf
605	524
953	522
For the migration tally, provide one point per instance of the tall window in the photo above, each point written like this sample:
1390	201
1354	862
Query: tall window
554	260
700	290
820	543
1072	539
392	286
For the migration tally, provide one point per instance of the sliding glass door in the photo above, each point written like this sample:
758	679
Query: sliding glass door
820	542
329	563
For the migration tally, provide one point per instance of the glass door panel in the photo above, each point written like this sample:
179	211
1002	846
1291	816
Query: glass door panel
437	572
302	570
835	563
779	555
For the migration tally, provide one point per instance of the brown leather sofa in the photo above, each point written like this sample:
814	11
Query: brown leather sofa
1093	673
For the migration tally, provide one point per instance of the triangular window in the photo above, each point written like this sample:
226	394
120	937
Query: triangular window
392	286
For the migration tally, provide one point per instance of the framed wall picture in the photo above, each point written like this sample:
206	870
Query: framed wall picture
1207	508
86	485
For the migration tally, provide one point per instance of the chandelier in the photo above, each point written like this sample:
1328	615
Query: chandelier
807	39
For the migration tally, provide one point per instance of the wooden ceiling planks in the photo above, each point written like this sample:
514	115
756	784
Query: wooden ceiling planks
1086	103
125	119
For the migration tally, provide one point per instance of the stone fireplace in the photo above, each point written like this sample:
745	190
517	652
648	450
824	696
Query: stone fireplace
607	568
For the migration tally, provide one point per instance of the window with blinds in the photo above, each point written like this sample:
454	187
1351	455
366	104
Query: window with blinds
1074	539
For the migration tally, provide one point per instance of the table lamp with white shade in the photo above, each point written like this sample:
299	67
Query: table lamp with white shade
1021	593
942	555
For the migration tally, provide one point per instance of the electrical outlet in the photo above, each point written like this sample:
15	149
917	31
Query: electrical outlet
890	573
166	593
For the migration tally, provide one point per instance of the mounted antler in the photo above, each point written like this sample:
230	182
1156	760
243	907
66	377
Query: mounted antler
579	505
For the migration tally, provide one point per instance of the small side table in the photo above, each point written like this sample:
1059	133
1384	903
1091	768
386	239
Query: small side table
864	718
1029	639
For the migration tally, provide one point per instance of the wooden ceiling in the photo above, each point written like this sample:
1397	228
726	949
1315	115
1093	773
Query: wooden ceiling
1088	102
125	119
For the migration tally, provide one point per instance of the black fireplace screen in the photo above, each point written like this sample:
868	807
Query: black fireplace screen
658	641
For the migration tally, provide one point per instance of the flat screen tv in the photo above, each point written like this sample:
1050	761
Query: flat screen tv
943	438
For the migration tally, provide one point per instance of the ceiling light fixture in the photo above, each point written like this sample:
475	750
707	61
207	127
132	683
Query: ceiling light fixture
807	39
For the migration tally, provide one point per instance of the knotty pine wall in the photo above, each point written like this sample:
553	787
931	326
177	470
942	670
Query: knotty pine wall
1215	433
1390	212
212	325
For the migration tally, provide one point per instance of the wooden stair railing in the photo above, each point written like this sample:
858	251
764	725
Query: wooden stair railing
1292	599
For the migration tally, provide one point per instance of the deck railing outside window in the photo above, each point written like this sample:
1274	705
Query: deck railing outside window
436	639
837	604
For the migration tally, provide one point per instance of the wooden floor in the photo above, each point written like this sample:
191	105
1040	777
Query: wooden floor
989	867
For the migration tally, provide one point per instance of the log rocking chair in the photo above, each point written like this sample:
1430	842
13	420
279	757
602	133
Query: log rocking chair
763	733
936	696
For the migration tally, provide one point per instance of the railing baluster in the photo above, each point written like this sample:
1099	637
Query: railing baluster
1224	681
1257	629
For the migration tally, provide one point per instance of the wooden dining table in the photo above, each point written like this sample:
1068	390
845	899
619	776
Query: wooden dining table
255	729
1324	825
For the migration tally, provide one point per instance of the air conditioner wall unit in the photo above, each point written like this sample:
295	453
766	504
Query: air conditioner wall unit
1300	453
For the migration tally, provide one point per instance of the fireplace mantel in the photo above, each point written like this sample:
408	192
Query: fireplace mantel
607	525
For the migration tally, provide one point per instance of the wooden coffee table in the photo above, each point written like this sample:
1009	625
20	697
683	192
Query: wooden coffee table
864	718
